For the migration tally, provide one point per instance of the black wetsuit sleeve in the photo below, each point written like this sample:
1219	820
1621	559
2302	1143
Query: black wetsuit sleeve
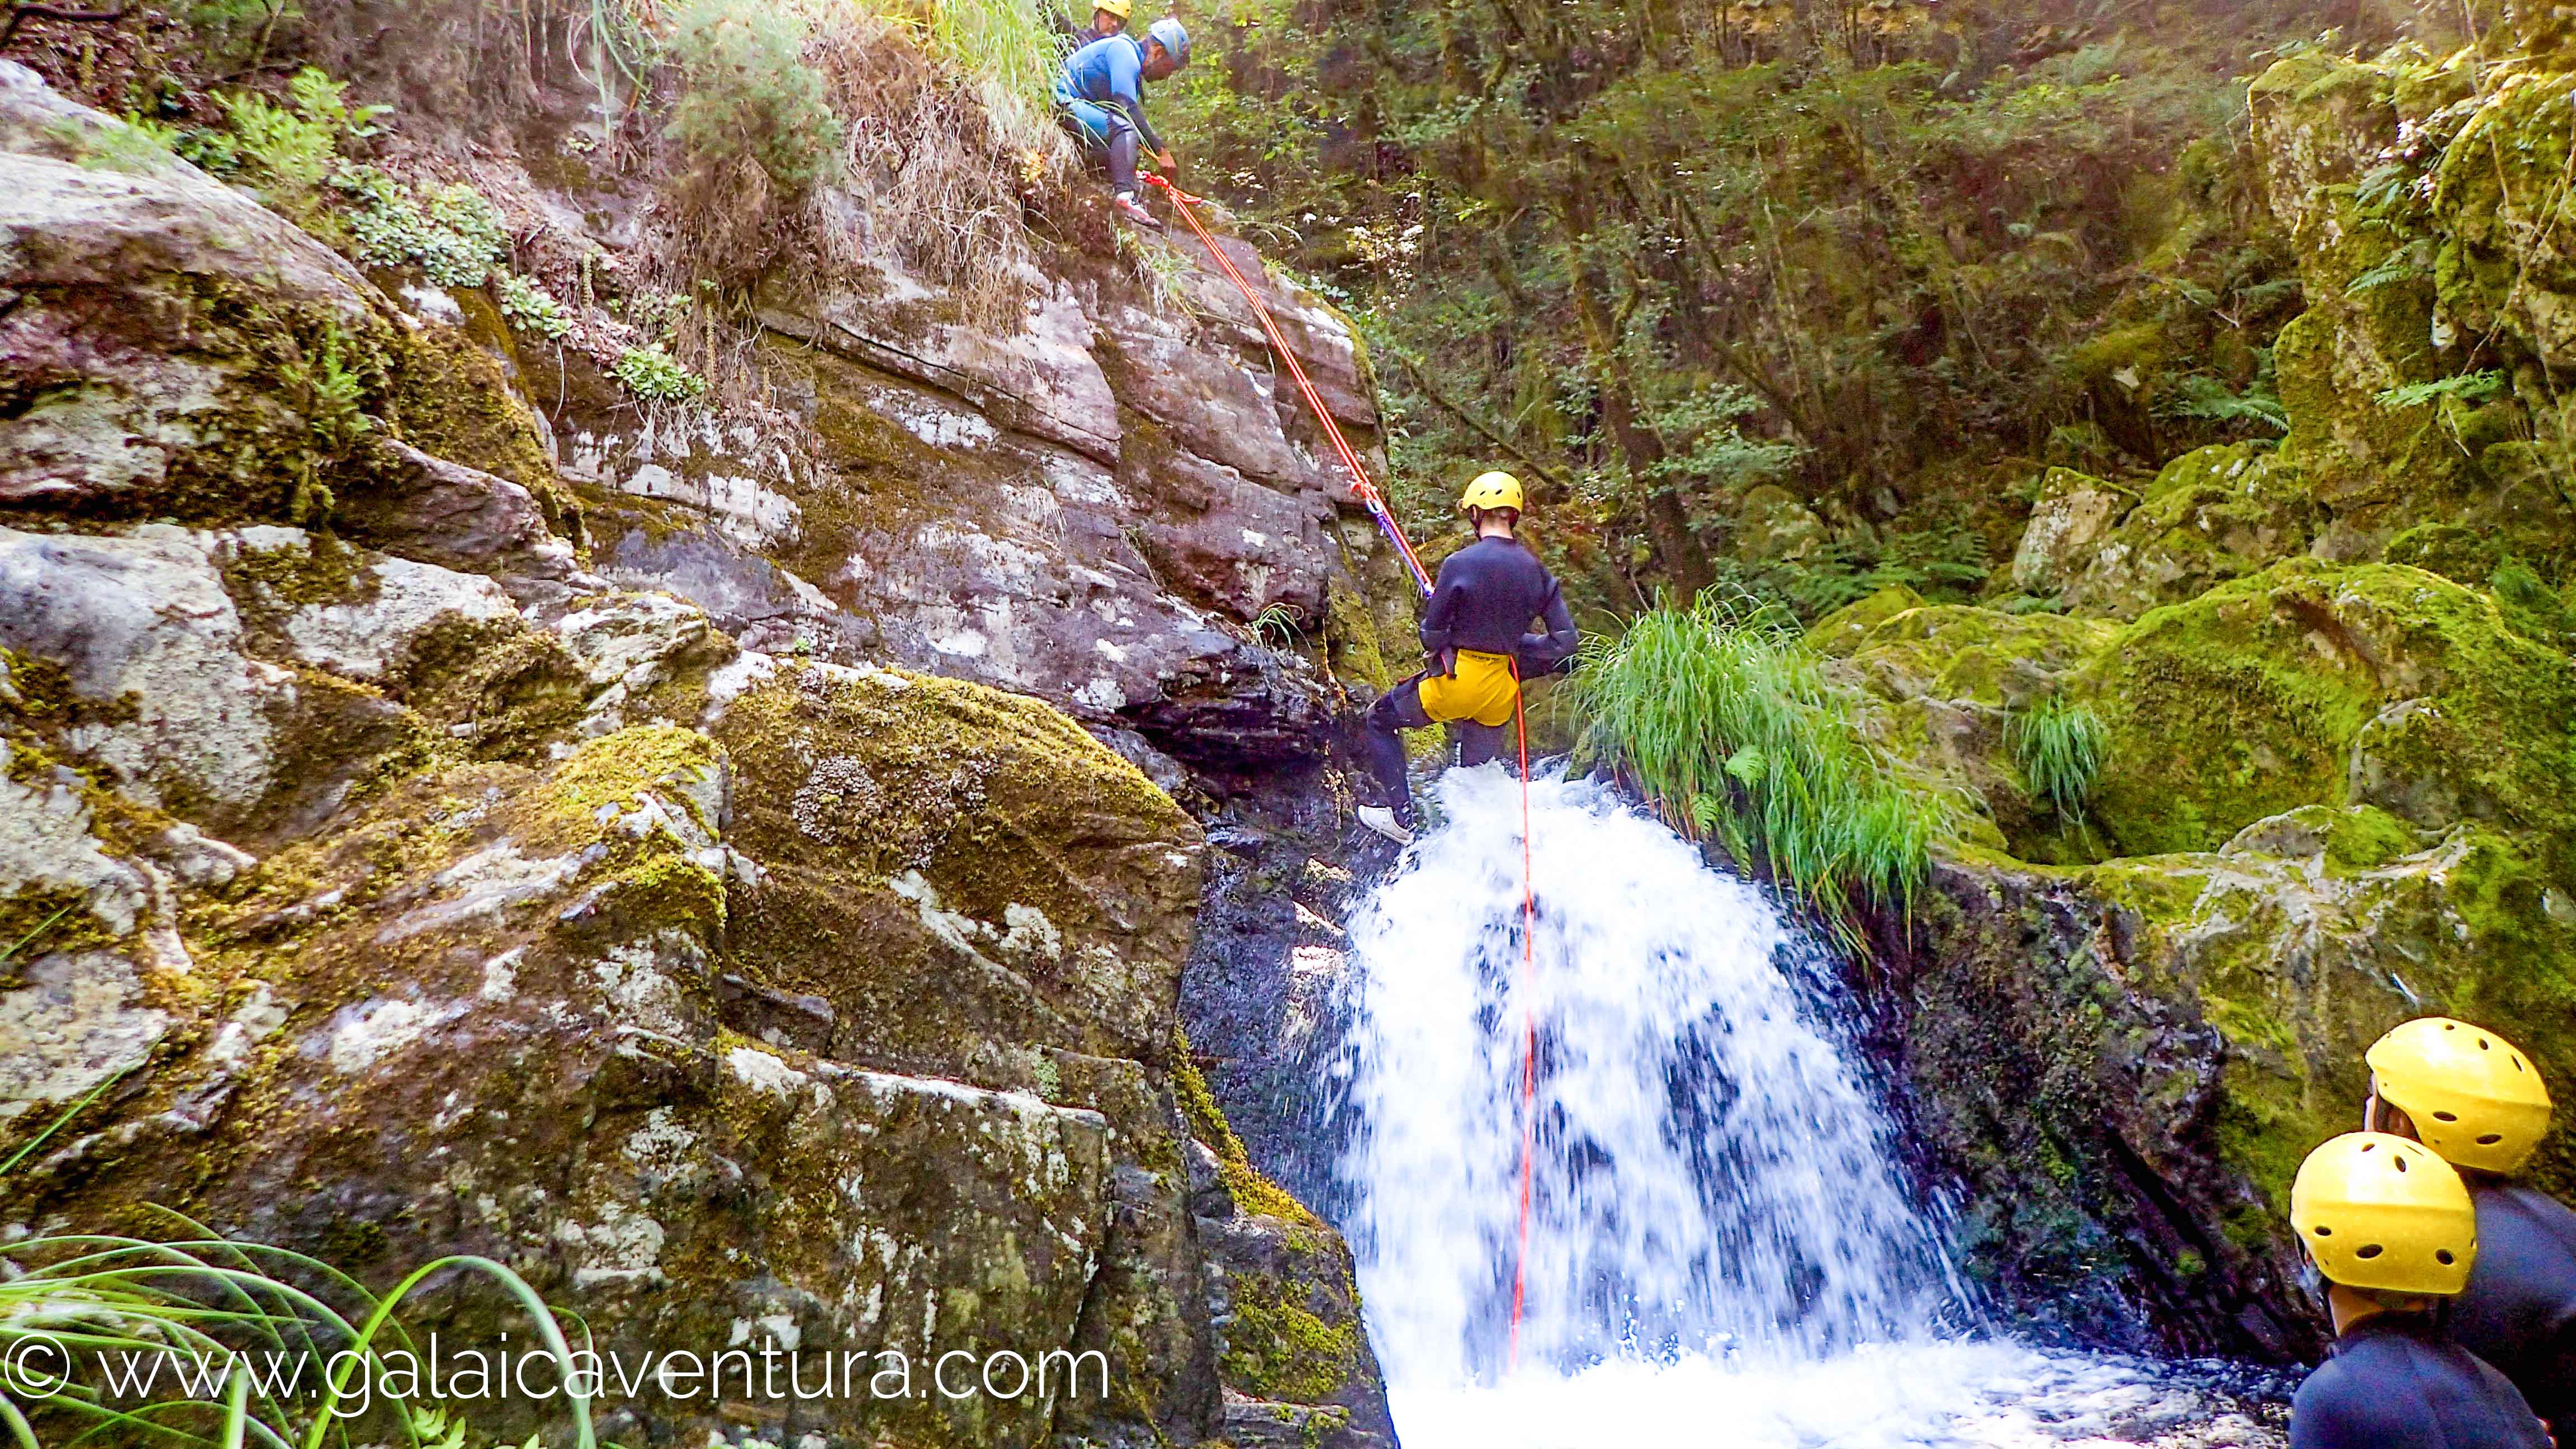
1440	617
1543	652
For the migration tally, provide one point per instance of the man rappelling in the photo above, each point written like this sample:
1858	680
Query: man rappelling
1102	93
1488	593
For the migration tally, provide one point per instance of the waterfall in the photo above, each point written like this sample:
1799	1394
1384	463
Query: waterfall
1723	1247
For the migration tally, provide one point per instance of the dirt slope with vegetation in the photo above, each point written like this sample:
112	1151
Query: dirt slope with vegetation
602	613
2127	448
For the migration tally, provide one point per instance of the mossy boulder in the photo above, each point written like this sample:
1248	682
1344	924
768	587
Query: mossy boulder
1771	524
2321	123
1018	882
2215	514
2068	521
1944	683
1846	629
2502	269
179	351
2312	684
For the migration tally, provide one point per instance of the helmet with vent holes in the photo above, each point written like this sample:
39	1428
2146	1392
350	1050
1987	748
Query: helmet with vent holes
2475	1097
2377	1211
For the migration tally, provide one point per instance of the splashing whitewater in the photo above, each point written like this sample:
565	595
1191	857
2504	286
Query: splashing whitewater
1722	1247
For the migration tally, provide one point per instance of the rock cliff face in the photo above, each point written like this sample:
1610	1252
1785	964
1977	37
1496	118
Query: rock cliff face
724	865
2332	685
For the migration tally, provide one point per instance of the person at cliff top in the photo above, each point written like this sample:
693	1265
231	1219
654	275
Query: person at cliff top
1108	18
2390	1228
2478	1101
1102	92
1488	593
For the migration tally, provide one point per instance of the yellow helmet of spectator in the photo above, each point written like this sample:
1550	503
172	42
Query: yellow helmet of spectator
2476	1099
1120	8
2377	1211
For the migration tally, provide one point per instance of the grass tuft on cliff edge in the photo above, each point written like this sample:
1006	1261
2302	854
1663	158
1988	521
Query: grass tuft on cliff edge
1725	718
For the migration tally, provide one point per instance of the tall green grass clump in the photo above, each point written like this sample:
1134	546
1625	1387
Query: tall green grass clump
2058	745
1722	714
1012	53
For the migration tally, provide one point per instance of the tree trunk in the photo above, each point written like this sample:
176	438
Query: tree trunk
1668	527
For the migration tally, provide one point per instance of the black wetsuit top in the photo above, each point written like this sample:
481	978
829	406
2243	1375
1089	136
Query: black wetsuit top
1487	594
2395	1383
2519	1312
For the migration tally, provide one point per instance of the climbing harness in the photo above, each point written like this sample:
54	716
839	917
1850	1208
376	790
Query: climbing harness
1375	502
1361	487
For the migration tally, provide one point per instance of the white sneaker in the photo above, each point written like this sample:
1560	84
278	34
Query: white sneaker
1383	821
1134	210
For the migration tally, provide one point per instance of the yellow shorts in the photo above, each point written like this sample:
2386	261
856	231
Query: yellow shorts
1483	690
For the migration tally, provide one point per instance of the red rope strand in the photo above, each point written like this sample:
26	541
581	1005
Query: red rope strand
1365	490
1367	493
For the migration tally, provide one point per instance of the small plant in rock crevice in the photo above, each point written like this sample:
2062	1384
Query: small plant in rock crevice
1279	629
2058	745
654	375
451	233
289	151
531	308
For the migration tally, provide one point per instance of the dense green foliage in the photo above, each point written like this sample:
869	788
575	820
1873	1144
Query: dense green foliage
1660	256
1723	716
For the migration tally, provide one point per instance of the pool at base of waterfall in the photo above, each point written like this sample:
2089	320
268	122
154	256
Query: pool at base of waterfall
1966	1395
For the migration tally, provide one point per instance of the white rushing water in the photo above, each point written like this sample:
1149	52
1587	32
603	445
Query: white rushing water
1722	1247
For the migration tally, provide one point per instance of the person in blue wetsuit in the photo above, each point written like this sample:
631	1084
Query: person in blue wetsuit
2479	1101
1487	596
2390	1228
1102	91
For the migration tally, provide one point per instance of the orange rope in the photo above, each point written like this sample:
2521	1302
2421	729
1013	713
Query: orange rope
1360	484
1368	495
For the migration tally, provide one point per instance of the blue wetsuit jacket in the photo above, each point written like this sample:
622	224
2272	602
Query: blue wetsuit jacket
1103	86
2519	1312
2395	1383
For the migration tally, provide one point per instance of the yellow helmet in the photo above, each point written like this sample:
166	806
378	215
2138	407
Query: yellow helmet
1120	8
1492	490
2475	1098
2378	1211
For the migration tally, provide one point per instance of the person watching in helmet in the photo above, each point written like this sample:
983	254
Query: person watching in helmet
1102	92
2477	1100
1108	18
1487	595
2390	1228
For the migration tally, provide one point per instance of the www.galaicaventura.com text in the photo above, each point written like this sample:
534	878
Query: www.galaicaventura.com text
352	1381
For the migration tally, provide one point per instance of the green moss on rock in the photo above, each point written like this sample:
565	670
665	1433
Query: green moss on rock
2313	684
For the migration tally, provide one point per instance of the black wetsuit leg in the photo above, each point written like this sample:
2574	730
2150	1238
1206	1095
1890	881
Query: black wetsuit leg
1382	748
1480	744
1122	159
